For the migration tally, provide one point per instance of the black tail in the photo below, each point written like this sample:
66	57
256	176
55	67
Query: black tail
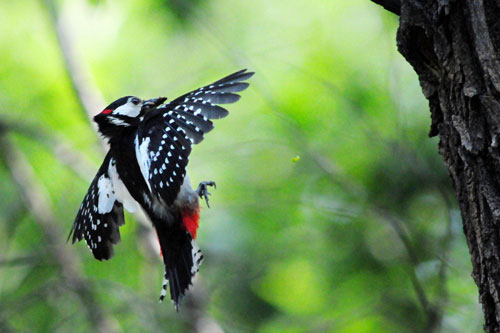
181	257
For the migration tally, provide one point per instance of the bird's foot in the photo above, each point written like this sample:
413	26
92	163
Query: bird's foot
203	190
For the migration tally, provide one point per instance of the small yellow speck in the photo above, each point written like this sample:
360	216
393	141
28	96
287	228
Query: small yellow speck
295	159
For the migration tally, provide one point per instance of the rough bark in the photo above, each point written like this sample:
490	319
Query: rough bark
454	48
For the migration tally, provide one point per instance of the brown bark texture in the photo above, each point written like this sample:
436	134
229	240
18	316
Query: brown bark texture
454	48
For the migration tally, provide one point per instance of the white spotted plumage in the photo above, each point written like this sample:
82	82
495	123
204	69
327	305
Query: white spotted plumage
146	167
99	209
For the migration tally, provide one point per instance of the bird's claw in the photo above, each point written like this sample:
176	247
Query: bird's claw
203	191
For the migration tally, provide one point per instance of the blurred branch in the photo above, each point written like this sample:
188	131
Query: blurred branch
35	198
4	324
50	289
65	153
91	101
23	260
198	319
88	95
398	226
394	6
354	189
335	174
12	221
74	160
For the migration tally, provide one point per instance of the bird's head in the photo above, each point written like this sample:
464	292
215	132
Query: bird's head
123	113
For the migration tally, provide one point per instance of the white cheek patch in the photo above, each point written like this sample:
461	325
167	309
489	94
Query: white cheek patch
128	109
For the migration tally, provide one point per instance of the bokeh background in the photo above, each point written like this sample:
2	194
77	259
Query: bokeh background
333	210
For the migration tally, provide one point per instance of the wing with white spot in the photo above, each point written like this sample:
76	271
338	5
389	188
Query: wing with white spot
164	138
162	154
100	215
202	102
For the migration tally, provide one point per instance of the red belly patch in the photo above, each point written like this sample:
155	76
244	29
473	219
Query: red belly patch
190	221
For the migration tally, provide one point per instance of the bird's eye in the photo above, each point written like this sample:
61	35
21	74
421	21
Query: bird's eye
135	101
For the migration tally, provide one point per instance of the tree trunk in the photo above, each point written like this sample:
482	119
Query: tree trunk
454	48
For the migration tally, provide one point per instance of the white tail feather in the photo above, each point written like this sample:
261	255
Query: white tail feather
164	288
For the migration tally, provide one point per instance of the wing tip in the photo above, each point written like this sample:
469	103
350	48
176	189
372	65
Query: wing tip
69	235
250	74
103	252
243	75
238	76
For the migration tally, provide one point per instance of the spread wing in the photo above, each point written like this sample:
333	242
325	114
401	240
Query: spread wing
100	215
163	141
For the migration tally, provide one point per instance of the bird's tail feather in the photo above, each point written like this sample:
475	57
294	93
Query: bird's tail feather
181	257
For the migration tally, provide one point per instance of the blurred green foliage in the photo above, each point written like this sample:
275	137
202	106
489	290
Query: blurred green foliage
333	210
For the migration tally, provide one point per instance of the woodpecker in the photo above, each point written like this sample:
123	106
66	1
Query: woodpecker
145	167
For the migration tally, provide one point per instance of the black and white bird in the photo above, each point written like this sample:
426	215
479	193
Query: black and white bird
145	167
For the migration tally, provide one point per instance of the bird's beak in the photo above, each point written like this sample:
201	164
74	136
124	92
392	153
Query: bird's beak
153	103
